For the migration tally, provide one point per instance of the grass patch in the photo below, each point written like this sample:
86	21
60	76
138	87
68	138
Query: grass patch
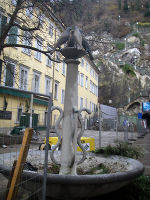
127	69
119	45
121	149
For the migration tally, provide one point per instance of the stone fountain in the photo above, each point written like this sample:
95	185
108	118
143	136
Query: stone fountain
67	184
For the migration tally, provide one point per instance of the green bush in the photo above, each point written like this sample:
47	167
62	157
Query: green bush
136	35
127	69
119	45
121	149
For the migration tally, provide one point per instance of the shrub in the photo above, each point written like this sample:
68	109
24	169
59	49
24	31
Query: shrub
136	35
121	149
127	69
119	45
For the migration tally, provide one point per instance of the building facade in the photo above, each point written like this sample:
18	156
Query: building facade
23	71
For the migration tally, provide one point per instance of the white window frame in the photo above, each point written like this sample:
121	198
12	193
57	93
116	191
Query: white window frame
38	45
51	29
82	62
82	79
26	41
29	10
81	102
86	103
87	66
86	82
14	2
23	83
47	85
36	86
64	68
78	77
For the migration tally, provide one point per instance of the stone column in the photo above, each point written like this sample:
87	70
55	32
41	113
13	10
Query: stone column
69	141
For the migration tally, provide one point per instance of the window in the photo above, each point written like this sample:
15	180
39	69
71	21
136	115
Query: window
48	61
87	66
36	82
96	77
78	77
10	75
56	91
90	86
13	35
62	96
58	59
86	82
26	41
64	69
29	10
82	62
3	22
81	102
38	45
14	2
81	79
41	18
86	103
51	30
23	78
47	85
19	113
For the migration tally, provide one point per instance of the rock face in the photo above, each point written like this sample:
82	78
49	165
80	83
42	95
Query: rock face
124	67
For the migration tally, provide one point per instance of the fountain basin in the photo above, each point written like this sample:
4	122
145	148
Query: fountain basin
79	186
72	53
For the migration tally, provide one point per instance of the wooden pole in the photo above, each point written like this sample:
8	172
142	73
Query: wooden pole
14	186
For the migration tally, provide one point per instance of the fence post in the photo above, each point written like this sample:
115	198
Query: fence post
117	127
31	108
100	135
46	149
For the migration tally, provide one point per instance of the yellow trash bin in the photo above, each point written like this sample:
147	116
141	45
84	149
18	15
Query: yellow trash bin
87	142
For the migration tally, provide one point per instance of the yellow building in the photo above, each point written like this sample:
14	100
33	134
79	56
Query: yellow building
23	71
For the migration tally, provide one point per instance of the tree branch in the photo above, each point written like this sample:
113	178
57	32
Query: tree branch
27	29
32	48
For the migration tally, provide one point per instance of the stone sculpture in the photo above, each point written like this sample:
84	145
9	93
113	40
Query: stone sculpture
73	37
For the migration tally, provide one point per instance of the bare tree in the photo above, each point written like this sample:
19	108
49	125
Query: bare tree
22	21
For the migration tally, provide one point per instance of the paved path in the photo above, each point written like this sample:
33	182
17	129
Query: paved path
144	143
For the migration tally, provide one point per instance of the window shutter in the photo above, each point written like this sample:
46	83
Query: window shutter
3	22
13	35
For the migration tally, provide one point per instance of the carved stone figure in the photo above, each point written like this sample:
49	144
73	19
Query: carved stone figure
72	37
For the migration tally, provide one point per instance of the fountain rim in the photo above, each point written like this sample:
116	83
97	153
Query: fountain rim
137	170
